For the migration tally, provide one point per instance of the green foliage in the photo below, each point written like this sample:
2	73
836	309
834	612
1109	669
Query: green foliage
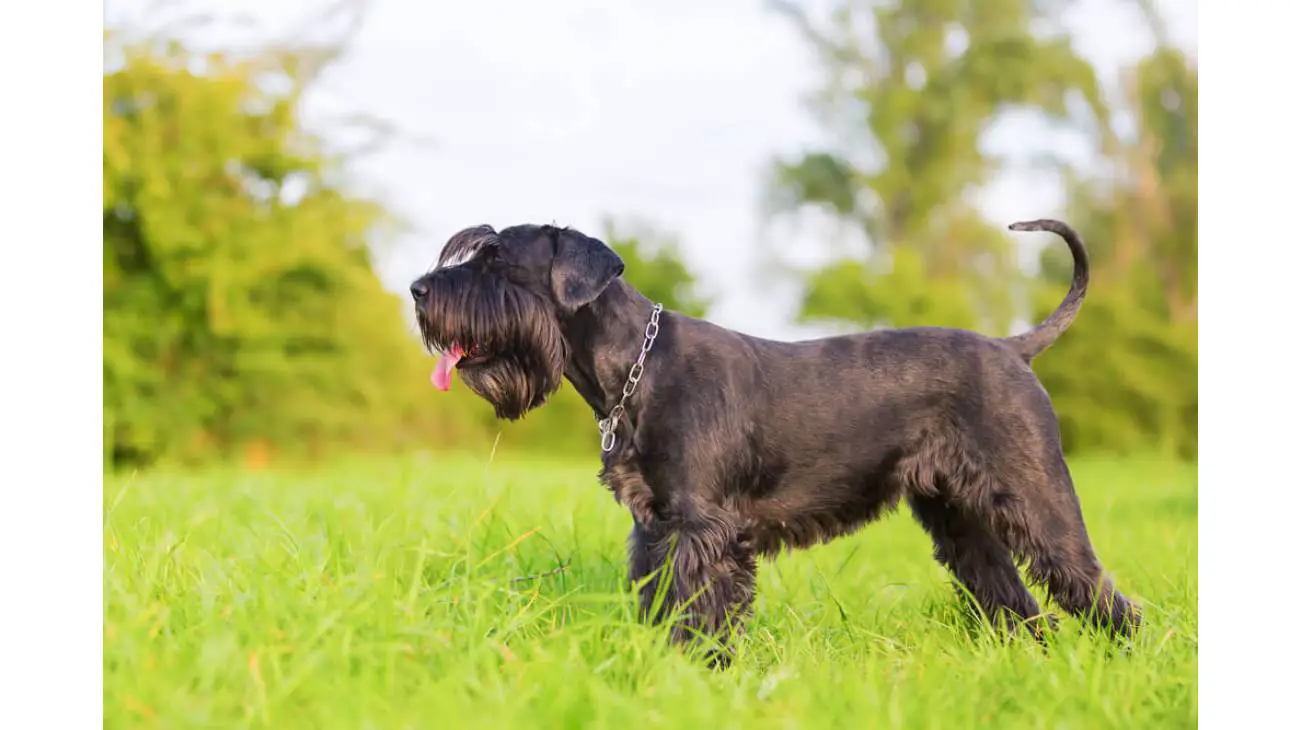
442	593
910	87
241	309
876	292
1124	376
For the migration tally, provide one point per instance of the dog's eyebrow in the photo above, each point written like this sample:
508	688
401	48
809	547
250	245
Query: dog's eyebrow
465	244
457	257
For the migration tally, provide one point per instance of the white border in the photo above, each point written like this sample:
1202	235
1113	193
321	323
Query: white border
51	379
1248	498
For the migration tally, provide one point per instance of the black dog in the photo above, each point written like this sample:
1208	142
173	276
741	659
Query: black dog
727	447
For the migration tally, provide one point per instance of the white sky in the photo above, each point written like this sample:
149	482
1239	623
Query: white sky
667	110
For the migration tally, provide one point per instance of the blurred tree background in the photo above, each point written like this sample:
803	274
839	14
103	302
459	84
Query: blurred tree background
1124	377
241	309
910	89
243	316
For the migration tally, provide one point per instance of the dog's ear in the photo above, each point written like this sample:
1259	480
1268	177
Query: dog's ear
581	269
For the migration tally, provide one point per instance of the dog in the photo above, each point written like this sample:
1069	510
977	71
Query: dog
727	448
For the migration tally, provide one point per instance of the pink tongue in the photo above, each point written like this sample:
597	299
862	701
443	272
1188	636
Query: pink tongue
442	371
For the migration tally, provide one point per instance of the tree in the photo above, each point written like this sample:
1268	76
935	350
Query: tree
1137	333
241	308
910	87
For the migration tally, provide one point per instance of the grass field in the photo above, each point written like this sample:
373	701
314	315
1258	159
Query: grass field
445	593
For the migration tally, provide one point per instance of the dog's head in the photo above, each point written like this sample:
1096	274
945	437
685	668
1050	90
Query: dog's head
495	307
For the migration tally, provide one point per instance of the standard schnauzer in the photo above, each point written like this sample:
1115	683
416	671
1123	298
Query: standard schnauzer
726	447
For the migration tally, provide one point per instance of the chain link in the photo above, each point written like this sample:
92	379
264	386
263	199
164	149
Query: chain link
609	424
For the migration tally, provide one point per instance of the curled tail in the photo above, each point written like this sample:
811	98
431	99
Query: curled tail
1033	342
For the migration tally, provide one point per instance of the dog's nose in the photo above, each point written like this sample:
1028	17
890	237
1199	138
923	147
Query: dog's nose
420	290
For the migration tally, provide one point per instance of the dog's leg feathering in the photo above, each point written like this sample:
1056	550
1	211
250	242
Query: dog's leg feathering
1050	535
702	569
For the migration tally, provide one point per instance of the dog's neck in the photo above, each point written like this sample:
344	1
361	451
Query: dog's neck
605	339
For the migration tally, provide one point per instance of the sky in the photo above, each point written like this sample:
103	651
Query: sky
669	111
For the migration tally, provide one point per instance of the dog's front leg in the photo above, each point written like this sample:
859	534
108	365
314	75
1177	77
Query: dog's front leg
698	572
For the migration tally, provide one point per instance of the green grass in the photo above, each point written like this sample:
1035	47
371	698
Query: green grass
398	595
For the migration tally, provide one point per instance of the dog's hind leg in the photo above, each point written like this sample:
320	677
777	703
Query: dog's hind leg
1036	513
979	561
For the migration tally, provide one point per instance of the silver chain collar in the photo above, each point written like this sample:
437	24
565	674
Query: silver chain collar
609	424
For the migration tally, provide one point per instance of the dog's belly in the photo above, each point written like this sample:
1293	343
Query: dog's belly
816	504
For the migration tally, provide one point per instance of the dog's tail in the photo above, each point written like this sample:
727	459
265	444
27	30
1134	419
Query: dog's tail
1030	344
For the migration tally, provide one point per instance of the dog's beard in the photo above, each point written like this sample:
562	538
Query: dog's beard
503	341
